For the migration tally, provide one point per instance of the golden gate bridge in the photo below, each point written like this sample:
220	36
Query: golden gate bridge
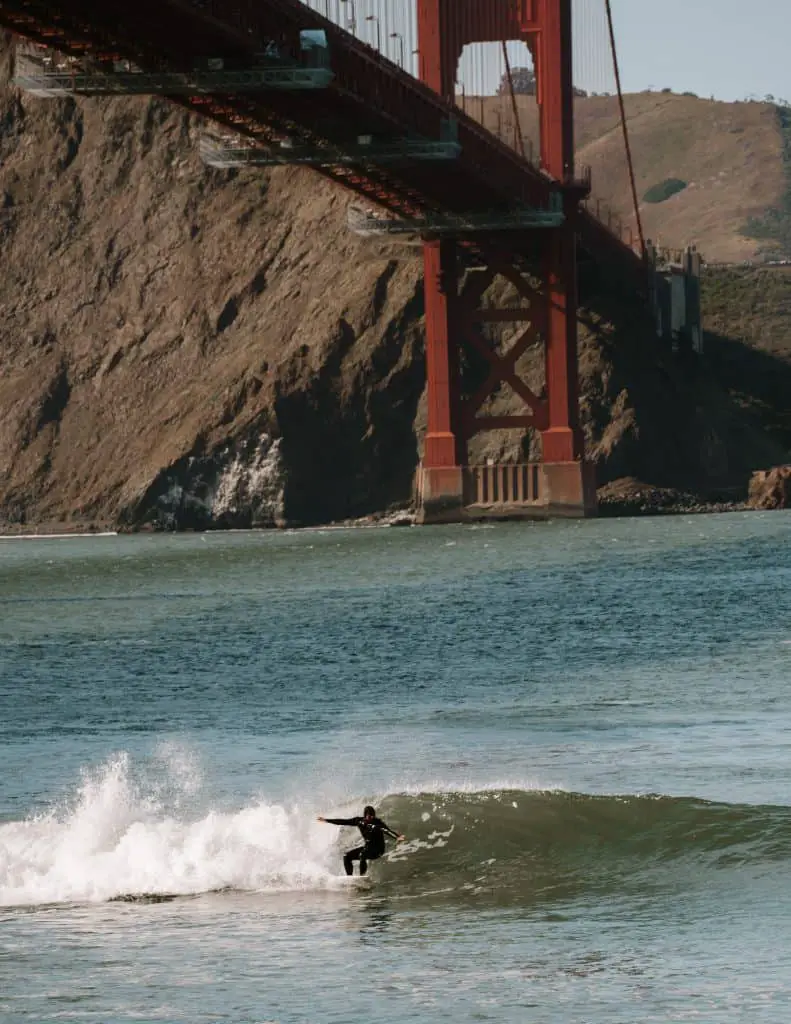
420	108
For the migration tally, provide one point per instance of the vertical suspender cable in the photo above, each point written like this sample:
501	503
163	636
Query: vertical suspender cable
625	128
484	62
476	75
463	71
411	38
517	126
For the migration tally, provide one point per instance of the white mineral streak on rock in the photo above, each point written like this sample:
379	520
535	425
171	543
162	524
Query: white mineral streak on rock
251	483
240	486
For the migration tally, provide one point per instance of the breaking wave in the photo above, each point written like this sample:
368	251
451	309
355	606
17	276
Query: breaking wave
119	840
528	846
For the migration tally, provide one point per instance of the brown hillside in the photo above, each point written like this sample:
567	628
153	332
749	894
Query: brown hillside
730	154
747	312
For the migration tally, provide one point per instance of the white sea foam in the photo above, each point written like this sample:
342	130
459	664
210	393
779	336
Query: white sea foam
57	536
120	837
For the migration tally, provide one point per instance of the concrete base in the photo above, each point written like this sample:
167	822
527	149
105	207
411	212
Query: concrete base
503	513
566	489
440	494
569	489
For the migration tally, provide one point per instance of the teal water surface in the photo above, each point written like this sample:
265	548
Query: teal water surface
582	728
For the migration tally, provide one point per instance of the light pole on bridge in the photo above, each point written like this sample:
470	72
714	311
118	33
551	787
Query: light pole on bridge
400	38
374	18
352	22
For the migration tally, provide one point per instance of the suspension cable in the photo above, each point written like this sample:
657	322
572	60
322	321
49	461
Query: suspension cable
625	128
517	126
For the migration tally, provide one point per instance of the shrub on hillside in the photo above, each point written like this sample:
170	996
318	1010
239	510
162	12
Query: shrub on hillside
664	190
524	83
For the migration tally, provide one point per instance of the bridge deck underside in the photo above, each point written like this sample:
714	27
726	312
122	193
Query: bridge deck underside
368	96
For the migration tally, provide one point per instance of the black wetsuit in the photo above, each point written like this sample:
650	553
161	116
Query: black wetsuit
373	832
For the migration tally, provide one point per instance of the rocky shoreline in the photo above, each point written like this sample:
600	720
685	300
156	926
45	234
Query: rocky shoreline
649	501
658	501
767	490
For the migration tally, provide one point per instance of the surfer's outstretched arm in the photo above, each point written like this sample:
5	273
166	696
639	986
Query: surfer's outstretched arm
390	831
340	821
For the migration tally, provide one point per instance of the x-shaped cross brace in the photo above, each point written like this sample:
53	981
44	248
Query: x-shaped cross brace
502	367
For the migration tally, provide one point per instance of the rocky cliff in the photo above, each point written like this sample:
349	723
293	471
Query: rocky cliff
771	489
188	347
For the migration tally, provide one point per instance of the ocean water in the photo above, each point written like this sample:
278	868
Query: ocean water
583	729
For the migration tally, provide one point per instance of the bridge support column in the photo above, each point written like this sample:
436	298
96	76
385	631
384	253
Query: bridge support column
441	477
454	314
568	478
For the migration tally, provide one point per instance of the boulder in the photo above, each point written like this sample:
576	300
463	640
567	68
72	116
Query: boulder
771	488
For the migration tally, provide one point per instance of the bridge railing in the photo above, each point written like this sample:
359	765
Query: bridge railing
388	26
612	221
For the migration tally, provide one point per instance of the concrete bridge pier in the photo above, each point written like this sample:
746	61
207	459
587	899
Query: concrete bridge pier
563	490
440	493
570	489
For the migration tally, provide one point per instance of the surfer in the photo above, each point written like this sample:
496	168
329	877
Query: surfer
373	831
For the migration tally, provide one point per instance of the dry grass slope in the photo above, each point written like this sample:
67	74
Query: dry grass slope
729	154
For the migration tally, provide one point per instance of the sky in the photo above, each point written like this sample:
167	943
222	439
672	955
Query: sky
729	49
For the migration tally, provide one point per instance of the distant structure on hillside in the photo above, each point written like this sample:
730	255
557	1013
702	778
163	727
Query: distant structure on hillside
675	296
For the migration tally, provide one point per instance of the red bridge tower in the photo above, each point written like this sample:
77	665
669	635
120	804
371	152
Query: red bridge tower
452	312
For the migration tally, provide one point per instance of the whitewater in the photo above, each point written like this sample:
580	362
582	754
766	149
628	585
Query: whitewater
121	837
580	727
